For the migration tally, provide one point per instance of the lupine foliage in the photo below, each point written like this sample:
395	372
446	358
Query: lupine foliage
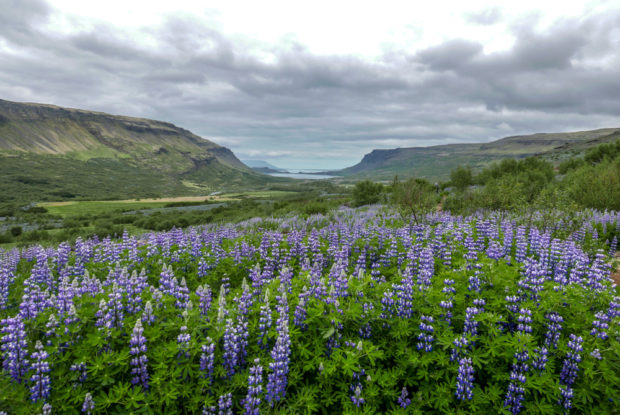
355	312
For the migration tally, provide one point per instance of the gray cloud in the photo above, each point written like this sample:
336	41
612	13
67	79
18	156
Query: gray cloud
326	111
485	17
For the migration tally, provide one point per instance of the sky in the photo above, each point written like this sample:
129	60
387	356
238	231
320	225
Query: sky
319	84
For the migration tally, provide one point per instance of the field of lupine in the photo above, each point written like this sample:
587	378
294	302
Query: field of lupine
356	312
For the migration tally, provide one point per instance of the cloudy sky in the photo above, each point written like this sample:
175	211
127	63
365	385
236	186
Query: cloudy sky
317	84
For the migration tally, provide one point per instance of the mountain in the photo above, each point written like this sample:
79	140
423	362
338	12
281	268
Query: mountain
263	166
436	162
49	152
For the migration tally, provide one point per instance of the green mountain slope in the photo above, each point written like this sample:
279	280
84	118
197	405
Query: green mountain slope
48	152
436	162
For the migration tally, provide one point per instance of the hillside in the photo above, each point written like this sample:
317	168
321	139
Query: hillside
263	166
49	152
436	162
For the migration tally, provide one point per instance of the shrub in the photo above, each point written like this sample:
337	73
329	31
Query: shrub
367	193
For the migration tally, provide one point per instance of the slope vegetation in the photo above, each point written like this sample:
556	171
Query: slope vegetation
49	152
436	162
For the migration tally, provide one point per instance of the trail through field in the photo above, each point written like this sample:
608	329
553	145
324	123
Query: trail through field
615	275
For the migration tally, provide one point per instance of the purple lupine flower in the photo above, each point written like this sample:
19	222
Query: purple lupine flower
448	287
596	354
277	379
474	283
614	305
472	250
167	280
114	314
404	296
82	374
447	316
231	348
403	399
139	359
242	339
89	404
6	278
495	251
613	245
356	388
251	402
51	326
524	319
553	329
222	312
425	339
540	362
15	354
47	409
41	387
365	332
203	268
224	404
480	303
516	390
458	351
465	380
209	410
388	303
181	294
598	272
569	371
148	316
521	244
513	303
427	268
471	325
204	299
535	274
600	325
207	359
135	286
183	340
264	321
299	318
357	398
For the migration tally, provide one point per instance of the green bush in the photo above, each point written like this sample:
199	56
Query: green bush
367	193
596	186
413	198
461	178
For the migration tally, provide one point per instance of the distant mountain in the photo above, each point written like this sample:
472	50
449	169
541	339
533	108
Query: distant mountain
436	162
50	152
263	166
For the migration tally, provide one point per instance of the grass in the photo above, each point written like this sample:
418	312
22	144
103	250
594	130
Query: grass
267	194
98	207
67	209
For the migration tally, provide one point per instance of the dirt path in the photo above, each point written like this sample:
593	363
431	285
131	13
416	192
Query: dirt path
615	275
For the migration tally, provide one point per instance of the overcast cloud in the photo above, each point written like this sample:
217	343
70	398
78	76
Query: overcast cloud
288	102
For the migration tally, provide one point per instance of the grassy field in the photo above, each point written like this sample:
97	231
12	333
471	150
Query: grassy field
66	209
97	207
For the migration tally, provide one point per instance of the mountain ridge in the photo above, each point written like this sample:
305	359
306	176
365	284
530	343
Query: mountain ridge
436	162
50	129
52	152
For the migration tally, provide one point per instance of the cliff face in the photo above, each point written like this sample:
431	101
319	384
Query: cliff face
48	129
51	153
436	162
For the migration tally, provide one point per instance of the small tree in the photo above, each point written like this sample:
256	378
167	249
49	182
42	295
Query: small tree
367	193
461	178
413	198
